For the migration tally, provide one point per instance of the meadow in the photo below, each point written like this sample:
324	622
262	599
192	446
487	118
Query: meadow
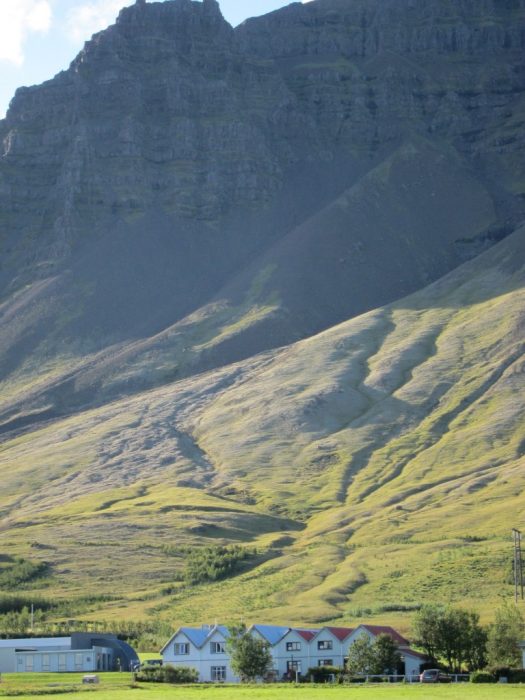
119	686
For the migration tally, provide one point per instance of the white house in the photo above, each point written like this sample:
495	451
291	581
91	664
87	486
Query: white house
82	652
411	659
293	650
202	648
291	653
330	646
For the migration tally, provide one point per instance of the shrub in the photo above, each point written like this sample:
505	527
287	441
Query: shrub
323	674
167	674
21	571
517	676
180	674
500	671
215	562
482	677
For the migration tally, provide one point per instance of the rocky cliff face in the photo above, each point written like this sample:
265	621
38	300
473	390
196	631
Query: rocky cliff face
214	191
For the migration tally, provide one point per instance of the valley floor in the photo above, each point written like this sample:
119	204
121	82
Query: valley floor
118	686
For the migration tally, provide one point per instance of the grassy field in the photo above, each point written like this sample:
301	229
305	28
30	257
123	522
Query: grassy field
117	687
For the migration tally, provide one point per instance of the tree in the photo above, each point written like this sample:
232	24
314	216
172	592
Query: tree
386	657
426	630
503	637
451	634
379	656
360	656
250	656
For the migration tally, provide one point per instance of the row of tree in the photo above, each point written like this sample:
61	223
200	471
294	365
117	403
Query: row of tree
455	637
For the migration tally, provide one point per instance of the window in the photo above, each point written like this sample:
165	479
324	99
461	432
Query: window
325	662
29	663
45	662
217	647
179	649
325	644
293	646
78	662
61	662
294	665
218	673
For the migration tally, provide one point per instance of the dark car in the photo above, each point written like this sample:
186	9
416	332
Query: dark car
434	675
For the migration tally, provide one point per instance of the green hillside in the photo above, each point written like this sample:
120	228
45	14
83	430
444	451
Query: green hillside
374	467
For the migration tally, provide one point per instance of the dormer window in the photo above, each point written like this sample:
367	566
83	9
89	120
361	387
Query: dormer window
217	647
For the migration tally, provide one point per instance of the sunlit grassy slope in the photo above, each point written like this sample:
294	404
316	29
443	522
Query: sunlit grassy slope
376	466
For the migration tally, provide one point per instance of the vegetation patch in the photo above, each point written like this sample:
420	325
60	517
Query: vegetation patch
21	571
213	563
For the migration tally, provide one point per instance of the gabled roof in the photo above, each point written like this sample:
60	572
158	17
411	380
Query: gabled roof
306	634
375	630
340	632
198	635
272	633
418	654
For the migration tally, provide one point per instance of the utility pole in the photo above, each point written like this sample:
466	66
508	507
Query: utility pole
518	567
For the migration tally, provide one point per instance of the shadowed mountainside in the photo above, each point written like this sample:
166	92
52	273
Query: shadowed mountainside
187	194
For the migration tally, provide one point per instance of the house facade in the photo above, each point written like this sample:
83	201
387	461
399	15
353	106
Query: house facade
81	652
411	659
203	649
294	650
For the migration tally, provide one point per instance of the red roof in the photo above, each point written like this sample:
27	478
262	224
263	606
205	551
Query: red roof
306	634
418	654
383	629
340	632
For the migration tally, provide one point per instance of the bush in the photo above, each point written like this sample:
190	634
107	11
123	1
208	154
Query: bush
215	562
499	671
517	676
180	674
20	572
323	674
482	677
167	674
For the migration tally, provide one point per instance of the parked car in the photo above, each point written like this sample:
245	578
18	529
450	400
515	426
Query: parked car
434	675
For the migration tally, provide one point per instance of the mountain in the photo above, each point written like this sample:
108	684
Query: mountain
194	194
265	284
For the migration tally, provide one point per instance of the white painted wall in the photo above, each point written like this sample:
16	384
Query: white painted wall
64	661
412	664
204	659
281	655
336	654
8	662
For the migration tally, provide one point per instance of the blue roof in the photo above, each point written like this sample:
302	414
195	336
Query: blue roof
199	635
272	633
196	635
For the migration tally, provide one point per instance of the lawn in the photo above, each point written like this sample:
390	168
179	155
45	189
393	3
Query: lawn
117	686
